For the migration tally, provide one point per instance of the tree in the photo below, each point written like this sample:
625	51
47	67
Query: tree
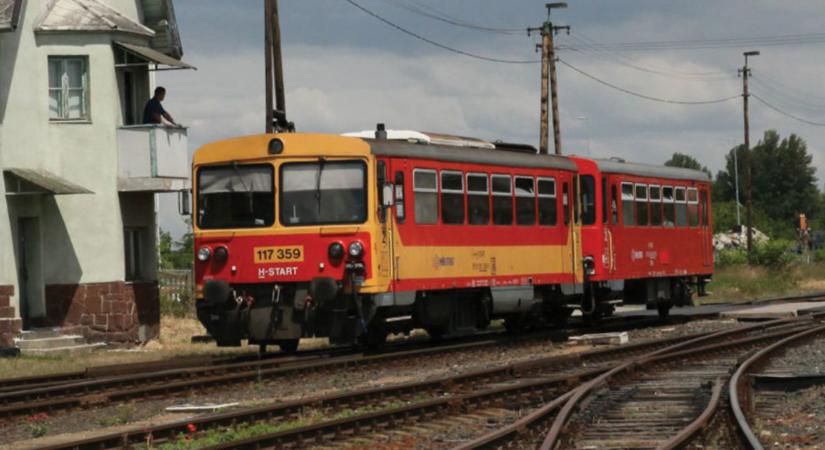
687	162
177	255
784	182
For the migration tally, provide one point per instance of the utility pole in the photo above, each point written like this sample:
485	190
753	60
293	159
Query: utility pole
275	117
548	76
745	72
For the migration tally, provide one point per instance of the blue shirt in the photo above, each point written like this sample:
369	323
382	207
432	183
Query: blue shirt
153	108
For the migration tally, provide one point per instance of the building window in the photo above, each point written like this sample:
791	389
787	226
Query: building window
452	198
502	200
68	88
425	187
478	199
548	209
133	242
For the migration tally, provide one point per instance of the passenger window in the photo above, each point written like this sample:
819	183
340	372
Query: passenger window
426	196
681	207
605	211
502	200
548	211
452	198
655	205
588	200
628	213
565	203
614	204
478	199
668	207
641	205
693	207
525	201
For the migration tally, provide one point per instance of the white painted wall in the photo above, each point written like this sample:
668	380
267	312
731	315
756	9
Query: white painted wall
82	235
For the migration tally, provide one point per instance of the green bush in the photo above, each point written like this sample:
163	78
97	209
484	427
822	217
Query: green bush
819	255
730	257
181	305
773	254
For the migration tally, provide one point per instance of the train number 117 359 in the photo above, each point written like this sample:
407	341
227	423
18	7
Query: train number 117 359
278	254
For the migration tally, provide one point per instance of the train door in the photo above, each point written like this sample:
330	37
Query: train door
385	221
575	230
707	233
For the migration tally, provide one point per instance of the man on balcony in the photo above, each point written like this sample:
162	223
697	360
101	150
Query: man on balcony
154	113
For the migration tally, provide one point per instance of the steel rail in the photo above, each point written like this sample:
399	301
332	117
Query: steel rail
507	372
738	387
683	351
689	432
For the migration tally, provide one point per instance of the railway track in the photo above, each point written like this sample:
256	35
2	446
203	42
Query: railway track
522	383
748	403
55	395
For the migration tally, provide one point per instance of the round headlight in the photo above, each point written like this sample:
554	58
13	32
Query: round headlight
204	253
221	253
356	249
336	250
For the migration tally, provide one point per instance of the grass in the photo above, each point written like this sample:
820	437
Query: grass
222	435
744	283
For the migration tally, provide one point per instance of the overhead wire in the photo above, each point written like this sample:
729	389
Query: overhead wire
698	44
438	44
787	114
443	17
645	96
784	98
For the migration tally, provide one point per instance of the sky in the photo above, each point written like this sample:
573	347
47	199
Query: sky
345	70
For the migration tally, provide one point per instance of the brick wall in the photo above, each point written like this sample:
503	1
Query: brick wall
9	325
106	312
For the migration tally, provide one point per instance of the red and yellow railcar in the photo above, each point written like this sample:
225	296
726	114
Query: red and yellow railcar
355	237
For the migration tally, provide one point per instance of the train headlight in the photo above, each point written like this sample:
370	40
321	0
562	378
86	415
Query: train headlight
204	253
356	249
221	254
335	251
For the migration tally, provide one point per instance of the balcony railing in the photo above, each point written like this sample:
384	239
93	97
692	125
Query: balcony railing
152	158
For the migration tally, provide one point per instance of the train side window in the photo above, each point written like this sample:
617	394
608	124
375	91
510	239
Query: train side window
605	211
525	201
425	187
548	210
565	203
681	207
668	207
614	204
502	200
705	208
693	207
655	205
478	199
452	198
628	213
641	205
588	199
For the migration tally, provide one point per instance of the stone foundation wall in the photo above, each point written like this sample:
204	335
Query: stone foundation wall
10	326
106	312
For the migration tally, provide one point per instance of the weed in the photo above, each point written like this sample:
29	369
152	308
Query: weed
36	425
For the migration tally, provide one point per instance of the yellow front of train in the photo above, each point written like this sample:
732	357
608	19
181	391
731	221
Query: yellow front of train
288	239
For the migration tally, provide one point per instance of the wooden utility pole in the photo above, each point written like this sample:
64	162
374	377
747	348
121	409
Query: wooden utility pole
548	76
275	114
268	63
745	72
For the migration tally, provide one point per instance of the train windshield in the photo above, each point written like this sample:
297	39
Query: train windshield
323	193
236	196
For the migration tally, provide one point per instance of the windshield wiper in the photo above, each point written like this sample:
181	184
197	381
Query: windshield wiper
321	162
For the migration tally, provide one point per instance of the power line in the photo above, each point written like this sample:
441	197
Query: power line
442	17
648	97
437	44
787	114
698	44
786	98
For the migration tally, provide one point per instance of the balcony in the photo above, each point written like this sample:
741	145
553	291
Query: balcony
152	158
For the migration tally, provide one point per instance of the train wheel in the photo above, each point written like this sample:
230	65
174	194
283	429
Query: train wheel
664	309
515	323
593	318
376	335
289	345
436	334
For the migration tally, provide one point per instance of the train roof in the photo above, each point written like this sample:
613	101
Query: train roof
460	154
649	170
